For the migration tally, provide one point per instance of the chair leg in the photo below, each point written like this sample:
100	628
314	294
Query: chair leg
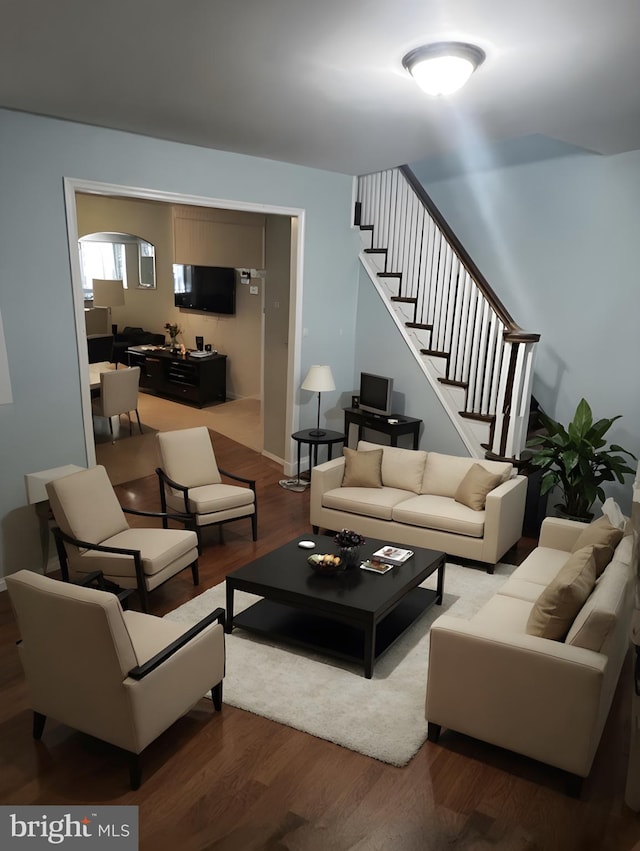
39	721
254	526
135	770
216	696
316	529
129	418
113	440
139	424
144	600
433	731
194	573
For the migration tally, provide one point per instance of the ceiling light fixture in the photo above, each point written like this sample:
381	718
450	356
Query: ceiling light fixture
443	67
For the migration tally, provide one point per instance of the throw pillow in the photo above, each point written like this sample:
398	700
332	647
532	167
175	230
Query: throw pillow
362	469
556	608
473	489
602	534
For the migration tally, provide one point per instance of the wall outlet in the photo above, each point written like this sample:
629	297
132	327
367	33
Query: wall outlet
253	290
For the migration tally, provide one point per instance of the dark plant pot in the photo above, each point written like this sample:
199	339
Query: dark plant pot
350	556
587	518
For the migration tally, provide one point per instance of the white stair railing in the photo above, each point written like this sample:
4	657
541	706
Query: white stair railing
479	360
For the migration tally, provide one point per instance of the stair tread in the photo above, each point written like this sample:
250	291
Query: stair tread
389	274
404	299
420	325
435	353
482	418
451	382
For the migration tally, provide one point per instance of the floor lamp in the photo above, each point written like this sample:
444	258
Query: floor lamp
108	293
318	380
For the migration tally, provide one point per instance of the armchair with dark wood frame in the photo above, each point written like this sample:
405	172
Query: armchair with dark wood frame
191	482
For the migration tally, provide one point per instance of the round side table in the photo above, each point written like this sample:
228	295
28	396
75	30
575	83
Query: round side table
310	437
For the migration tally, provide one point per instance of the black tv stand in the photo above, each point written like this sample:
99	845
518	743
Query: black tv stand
194	381
394	425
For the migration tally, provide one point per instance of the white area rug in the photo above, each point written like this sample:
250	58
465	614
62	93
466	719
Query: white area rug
382	717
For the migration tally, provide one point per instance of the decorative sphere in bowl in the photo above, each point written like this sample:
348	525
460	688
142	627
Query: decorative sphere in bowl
326	563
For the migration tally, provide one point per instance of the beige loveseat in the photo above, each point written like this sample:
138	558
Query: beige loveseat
547	699
416	504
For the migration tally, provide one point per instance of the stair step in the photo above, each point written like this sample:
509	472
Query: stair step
389	274
376	251
401	299
366	227
433	353
451	383
421	326
481	418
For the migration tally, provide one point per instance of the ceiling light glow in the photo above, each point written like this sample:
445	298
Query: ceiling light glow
444	67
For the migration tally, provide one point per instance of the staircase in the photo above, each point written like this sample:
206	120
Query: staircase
477	359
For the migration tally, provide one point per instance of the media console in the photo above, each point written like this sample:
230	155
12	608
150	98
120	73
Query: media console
394	425
197	381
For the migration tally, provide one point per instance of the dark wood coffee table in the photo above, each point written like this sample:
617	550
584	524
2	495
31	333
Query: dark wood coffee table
355	615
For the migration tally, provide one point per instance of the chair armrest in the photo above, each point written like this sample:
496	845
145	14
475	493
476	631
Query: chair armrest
250	482
557	533
504	516
327	476
86	545
164	479
61	537
168	515
140	671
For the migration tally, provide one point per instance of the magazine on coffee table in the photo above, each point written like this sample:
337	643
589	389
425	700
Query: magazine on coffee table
392	555
376	566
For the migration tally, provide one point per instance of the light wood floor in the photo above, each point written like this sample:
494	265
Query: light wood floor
134	456
238	782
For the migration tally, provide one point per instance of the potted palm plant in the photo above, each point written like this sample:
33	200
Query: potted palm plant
577	460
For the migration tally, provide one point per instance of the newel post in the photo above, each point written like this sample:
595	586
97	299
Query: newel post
514	396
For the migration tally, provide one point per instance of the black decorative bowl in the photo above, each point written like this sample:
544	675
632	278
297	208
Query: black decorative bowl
326	564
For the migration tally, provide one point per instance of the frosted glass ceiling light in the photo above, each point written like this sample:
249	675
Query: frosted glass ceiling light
443	68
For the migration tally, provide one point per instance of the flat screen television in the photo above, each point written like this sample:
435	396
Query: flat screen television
375	393
211	289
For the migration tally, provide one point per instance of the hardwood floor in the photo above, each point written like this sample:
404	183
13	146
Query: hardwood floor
238	782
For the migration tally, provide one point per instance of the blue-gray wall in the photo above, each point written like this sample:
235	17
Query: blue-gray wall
381	349
557	239
43	426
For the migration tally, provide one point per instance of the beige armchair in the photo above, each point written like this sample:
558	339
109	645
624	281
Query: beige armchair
118	395
121	676
92	534
191	481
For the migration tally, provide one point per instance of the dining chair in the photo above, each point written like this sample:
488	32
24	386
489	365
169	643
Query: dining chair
191	481
92	534
121	676
118	395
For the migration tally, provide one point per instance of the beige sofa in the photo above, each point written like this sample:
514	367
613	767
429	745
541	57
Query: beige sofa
546	699
416	504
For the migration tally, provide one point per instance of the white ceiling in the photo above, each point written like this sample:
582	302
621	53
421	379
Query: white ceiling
320	82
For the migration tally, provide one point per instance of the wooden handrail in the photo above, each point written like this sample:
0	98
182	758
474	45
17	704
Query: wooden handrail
514	333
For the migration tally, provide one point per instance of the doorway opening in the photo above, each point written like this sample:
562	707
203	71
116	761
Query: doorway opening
278	333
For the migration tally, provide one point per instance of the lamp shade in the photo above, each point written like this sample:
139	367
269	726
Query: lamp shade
319	379
107	293
443	68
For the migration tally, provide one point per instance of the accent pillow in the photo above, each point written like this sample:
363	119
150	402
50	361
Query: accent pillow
603	534
556	608
473	489
362	469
